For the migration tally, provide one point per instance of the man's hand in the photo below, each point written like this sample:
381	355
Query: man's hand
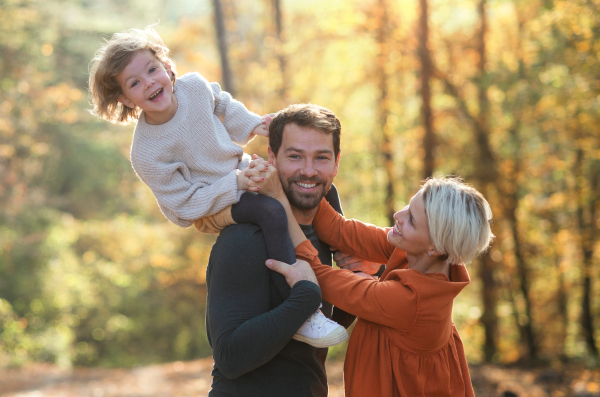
299	271
346	261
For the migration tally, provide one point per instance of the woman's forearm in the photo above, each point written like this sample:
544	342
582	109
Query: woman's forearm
296	234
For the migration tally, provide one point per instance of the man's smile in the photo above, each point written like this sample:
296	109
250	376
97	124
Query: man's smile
306	185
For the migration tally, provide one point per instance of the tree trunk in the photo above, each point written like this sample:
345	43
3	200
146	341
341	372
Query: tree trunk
223	47
426	73
523	274
383	111
283	88
486	175
586	216
512	198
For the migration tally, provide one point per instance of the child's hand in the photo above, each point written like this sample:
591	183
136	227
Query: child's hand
270	185
267	118
261	130
251	177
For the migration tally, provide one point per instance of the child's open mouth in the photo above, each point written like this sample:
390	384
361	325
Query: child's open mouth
155	96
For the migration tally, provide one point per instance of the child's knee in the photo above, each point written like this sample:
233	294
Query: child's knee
274	211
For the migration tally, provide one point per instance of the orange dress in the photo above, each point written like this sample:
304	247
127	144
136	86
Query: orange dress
404	342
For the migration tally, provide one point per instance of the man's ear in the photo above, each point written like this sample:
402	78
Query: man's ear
271	156
337	164
125	101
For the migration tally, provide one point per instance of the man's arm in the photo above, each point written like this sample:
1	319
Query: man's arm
244	332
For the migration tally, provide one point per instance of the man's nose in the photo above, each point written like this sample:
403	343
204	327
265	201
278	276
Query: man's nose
308	169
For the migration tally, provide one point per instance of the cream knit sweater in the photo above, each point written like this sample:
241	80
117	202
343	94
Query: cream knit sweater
190	162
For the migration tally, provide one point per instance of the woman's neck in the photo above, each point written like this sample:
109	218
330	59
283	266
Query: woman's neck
427	264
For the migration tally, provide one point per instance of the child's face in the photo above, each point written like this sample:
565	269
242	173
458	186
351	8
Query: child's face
146	83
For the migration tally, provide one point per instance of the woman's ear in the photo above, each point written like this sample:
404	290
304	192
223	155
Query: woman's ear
433	253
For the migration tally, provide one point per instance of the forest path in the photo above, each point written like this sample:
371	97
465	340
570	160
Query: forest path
192	378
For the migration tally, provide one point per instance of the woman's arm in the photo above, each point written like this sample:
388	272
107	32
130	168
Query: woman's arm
391	303
351	236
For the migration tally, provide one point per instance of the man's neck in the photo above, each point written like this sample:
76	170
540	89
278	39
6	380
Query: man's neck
304	217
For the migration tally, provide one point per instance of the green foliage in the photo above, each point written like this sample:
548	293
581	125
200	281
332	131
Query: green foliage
90	271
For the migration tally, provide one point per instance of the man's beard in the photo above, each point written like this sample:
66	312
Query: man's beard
305	201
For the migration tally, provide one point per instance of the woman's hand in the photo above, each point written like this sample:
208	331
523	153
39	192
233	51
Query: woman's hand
299	271
349	262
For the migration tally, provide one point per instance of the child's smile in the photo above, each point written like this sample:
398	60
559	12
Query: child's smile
146	83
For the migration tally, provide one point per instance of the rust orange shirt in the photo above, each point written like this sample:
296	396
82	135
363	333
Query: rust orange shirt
404	342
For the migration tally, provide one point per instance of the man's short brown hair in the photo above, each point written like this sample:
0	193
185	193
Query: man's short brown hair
110	60
305	115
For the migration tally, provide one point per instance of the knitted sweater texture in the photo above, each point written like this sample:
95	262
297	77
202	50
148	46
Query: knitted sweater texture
190	162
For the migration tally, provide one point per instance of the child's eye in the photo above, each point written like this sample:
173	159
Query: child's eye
134	84
152	69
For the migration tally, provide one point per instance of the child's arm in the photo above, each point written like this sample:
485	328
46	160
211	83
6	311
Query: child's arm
238	121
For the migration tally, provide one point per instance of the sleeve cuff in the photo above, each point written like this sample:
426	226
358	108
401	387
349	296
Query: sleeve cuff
307	252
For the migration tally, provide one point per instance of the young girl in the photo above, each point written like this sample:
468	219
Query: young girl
186	148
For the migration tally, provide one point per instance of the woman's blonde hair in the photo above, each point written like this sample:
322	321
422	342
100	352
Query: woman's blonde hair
110	60
459	218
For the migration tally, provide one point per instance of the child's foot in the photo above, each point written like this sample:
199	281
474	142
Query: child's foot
319	331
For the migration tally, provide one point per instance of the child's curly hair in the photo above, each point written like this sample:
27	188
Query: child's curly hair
110	60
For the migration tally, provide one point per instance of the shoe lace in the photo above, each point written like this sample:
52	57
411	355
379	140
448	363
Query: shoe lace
317	321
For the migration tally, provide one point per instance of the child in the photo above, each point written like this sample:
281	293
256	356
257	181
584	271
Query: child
185	148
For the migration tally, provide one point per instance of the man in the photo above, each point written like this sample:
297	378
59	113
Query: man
249	325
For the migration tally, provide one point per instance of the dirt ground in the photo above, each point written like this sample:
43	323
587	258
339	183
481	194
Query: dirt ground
192	378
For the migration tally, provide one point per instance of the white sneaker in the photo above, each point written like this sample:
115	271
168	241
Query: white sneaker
319	331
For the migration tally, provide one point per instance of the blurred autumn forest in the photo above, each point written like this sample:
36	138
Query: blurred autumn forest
504	93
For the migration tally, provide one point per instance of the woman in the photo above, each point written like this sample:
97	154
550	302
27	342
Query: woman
404	342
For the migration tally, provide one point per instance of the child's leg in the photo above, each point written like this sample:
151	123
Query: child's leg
215	223
269	214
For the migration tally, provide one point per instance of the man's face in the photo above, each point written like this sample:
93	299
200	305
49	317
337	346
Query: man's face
306	165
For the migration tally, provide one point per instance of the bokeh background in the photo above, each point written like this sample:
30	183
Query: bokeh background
504	93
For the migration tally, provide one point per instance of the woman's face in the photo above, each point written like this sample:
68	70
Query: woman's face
411	231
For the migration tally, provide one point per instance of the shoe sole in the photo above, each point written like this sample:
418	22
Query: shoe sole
335	337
